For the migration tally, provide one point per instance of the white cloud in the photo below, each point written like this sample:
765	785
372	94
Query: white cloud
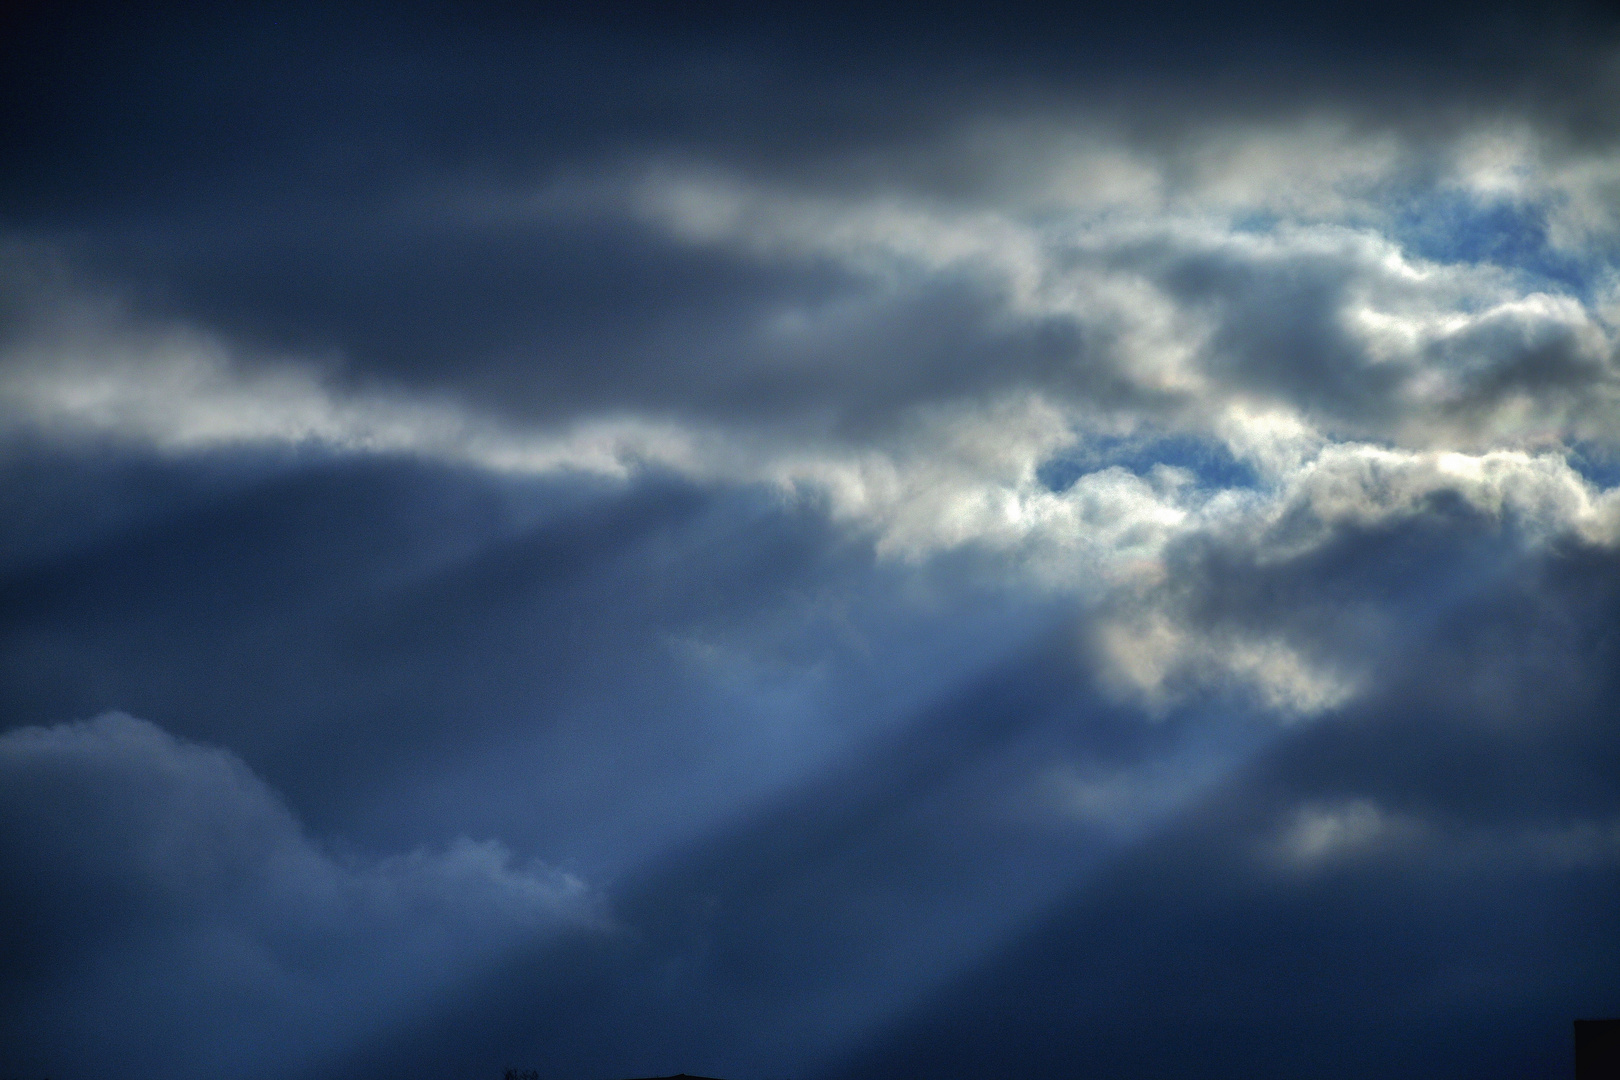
1319	836
1397	379
182	391
1154	655
1576	188
941	477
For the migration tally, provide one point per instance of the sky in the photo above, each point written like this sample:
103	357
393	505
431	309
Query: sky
820	544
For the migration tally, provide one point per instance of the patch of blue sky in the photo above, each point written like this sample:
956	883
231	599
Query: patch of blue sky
1453	226
1598	464
1209	461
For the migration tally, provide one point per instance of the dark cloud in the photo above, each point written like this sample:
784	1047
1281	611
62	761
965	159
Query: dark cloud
139	863
653	539
262	174
542	321
425	623
266	101
1392	876
773	943
1460	921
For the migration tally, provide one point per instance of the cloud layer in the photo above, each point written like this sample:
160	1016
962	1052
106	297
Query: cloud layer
993	544
180	886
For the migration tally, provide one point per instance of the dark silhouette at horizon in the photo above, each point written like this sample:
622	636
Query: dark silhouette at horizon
1597	1049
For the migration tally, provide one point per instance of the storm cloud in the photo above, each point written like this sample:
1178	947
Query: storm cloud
632	540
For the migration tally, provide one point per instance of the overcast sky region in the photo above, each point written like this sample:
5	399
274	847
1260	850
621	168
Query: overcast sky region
832	544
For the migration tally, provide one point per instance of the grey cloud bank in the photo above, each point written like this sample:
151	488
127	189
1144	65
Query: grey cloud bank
173	882
999	544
